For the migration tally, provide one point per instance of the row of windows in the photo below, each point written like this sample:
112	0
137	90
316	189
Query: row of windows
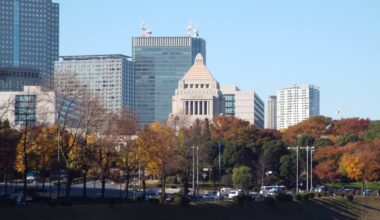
196	86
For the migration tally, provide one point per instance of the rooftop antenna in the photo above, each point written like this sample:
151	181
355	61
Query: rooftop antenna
196	31
145	30
190	29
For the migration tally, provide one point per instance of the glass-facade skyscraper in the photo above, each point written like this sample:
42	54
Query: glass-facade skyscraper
160	62
29	37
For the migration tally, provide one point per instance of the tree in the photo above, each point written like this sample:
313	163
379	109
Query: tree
349	126
273	151
230	129
127	158
236	154
327	160
315	127
43	151
288	165
9	139
373	131
242	177
105	147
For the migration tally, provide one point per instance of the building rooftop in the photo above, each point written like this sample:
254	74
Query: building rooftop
198	71
94	57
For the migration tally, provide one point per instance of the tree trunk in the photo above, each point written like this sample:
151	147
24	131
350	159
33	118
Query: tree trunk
25	160
6	180
69	181
84	177
127	184
144	185
103	185
163	198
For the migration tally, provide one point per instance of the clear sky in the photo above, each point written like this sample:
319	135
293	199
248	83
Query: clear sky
256	45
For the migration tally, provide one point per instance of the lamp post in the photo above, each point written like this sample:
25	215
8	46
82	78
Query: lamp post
219	163
307	168
193	183
311	169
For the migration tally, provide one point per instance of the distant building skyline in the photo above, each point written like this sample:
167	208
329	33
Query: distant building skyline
296	103
160	62
245	105
109	77
29	37
271	113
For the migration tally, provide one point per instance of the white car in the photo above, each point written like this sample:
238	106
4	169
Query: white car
233	193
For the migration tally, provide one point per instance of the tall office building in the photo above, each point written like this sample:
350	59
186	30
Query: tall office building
245	105
271	117
295	104
160	62
29	38
109	77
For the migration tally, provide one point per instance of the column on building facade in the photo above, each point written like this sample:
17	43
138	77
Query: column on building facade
191	107
205	107
200	107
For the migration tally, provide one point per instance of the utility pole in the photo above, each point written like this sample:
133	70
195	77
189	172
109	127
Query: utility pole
193	171
220	172
307	168
311	168
197	170
58	161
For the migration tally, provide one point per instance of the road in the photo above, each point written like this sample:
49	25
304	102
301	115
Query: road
114	190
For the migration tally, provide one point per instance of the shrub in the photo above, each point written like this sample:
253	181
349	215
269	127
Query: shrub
154	201
305	196
350	197
171	180
284	198
312	195
297	197
227	180
66	202
270	201
181	200
241	199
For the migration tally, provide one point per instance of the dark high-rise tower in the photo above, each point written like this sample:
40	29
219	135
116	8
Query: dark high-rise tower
29	38
160	62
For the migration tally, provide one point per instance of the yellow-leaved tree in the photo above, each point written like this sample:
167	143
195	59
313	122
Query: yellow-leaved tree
156	151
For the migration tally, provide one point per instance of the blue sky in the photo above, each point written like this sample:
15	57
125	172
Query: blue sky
256	45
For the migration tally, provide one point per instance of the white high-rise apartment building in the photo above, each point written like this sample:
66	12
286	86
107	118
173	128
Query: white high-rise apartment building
245	105
109	77
271	117
295	104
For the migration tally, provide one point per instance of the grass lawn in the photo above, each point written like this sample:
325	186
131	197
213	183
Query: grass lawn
370	185
325	208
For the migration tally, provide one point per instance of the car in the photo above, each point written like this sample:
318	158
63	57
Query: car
32	176
234	193
255	195
210	196
367	192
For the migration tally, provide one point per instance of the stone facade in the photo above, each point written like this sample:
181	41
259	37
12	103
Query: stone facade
198	95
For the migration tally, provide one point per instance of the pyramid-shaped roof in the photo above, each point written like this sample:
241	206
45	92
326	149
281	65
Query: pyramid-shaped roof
198	71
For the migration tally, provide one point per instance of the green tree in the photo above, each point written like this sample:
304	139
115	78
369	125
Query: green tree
373	131
242	177
273	151
236	154
288	165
